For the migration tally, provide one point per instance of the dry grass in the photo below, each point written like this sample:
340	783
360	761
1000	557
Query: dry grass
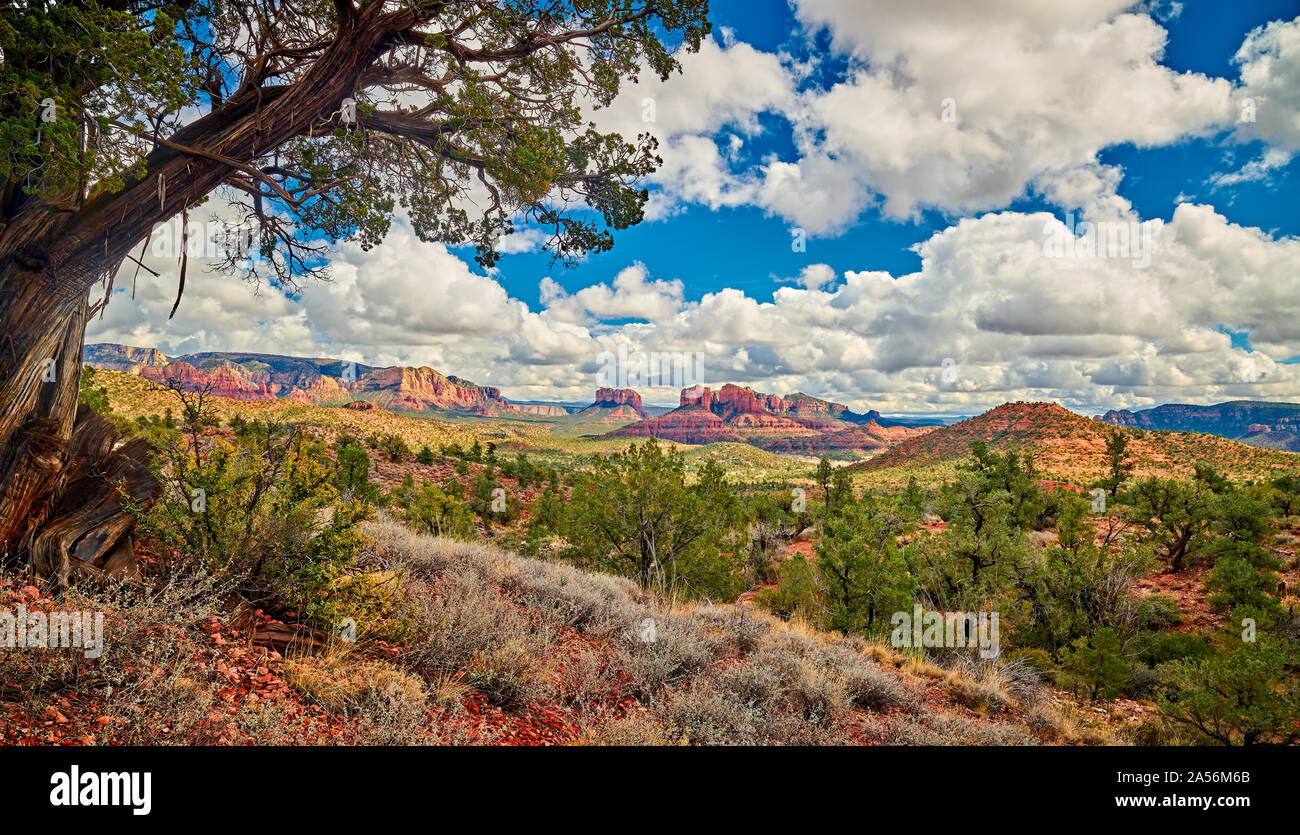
349	686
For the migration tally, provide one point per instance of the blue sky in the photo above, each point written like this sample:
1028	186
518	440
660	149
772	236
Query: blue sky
749	249
951	167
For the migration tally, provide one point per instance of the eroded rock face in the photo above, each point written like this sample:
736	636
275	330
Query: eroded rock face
798	424
221	380
324	382
416	389
122	357
608	398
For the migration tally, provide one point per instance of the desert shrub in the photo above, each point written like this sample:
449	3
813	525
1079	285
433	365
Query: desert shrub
678	651
597	605
352	472
637	514
591	677
465	626
863	572
636	729
1097	666
946	729
705	715
162	692
1046	724
485	500
350	686
1154	648
323	584
1244	575
865	683
1038	660
394	446
743	632
797	593
431	509
262	510
1157	611
425	456
1239	694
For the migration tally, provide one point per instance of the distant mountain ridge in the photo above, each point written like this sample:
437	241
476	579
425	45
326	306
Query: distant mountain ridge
1258	423
319	381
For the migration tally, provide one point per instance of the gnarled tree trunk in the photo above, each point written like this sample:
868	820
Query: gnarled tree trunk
63	474
52	252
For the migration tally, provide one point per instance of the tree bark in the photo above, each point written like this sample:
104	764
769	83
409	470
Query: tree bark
63	474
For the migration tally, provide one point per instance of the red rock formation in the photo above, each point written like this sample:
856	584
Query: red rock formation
321	382
360	405
799	424
122	357
221	380
608	398
417	389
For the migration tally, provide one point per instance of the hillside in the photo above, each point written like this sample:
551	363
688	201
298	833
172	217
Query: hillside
509	651
1270	425
1068	445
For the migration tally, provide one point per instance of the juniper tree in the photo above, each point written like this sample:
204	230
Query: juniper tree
313	121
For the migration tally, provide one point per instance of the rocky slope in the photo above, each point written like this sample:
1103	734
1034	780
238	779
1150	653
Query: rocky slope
122	357
1272	425
796	424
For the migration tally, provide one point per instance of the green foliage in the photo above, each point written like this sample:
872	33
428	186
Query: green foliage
1173	515
352	472
321	584
1245	576
1157	611
546	521
1241	693
634	513
1075	588
823	476
1155	648
1285	494
1118	463
88	395
84	64
769	522
1098	665
432	509
425	456
841	492
395	447
798	592
863	570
